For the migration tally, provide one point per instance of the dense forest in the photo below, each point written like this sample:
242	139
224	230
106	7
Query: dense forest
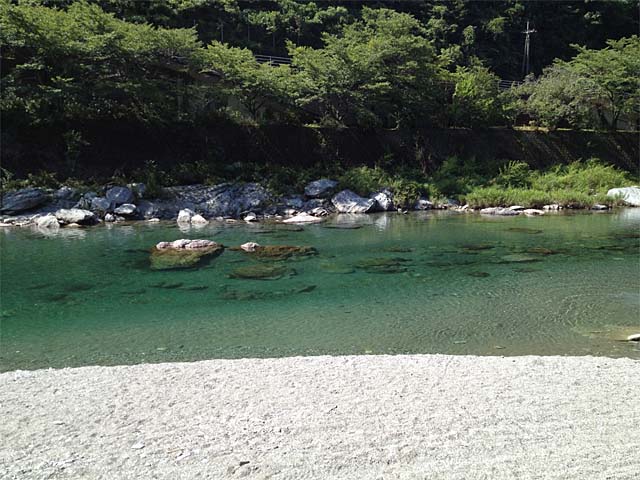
384	64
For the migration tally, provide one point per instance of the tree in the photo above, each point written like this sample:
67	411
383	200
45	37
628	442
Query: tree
380	70
476	98
594	89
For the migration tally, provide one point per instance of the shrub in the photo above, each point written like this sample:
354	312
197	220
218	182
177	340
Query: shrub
514	174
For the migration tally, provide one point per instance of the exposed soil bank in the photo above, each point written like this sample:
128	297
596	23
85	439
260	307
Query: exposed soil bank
368	417
119	147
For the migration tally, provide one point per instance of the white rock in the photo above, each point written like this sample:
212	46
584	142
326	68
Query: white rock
349	202
532	212
249	246
551	207
137	446
599	206
516	208
384	200
320	187
109	217
153	220
48	221
126	209
251	217
199	220
75	215
498	211
303	218
634	338
630	195
184	215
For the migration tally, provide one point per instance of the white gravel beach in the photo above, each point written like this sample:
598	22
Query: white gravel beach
357	417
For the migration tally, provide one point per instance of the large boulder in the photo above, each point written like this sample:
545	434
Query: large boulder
348	202
384	200
185	215
65	193
630	195
320	188
21	200
76	215
101	204
119	195
224	200
147	209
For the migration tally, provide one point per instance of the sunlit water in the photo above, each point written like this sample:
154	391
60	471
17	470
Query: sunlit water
419	283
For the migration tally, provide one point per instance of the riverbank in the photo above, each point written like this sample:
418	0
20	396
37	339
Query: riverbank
427	416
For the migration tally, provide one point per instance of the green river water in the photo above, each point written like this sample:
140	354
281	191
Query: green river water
387	283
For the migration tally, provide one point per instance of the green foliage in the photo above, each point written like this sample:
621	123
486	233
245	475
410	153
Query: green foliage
458	176
578	185
476	98
514	174
367	180
596	88
380	70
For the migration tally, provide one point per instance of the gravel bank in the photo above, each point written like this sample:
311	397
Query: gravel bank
368	417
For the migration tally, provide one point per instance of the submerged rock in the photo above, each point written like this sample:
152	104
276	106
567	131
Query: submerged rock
319	188
629	195
348	202
261	271
21	200
336	268
276	252
518	258
183	253
530	231
382	265
479	274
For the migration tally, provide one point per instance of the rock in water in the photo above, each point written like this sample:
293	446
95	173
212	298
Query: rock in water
183	253
249	246
251	217
384	200
533	212
21	200
303	218
76	215
319	188
47	221
499	211
629	195
184	215
261	272
199	220
119	195
126	209
276	252
423	204
348	202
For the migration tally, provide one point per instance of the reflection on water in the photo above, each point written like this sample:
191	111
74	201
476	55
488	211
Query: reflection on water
387	283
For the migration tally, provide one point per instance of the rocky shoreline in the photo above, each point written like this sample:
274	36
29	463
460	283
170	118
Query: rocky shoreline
199	204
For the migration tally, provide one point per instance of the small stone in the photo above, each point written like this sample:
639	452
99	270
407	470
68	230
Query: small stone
516	208
532	212
137	446
251	217
249	246
551	207
599	206
153	220
634	337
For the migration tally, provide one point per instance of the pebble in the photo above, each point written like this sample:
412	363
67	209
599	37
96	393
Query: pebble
137	446
634	338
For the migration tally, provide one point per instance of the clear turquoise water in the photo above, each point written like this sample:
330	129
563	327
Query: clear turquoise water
87	297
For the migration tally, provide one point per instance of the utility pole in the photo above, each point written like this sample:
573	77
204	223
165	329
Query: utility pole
527	49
